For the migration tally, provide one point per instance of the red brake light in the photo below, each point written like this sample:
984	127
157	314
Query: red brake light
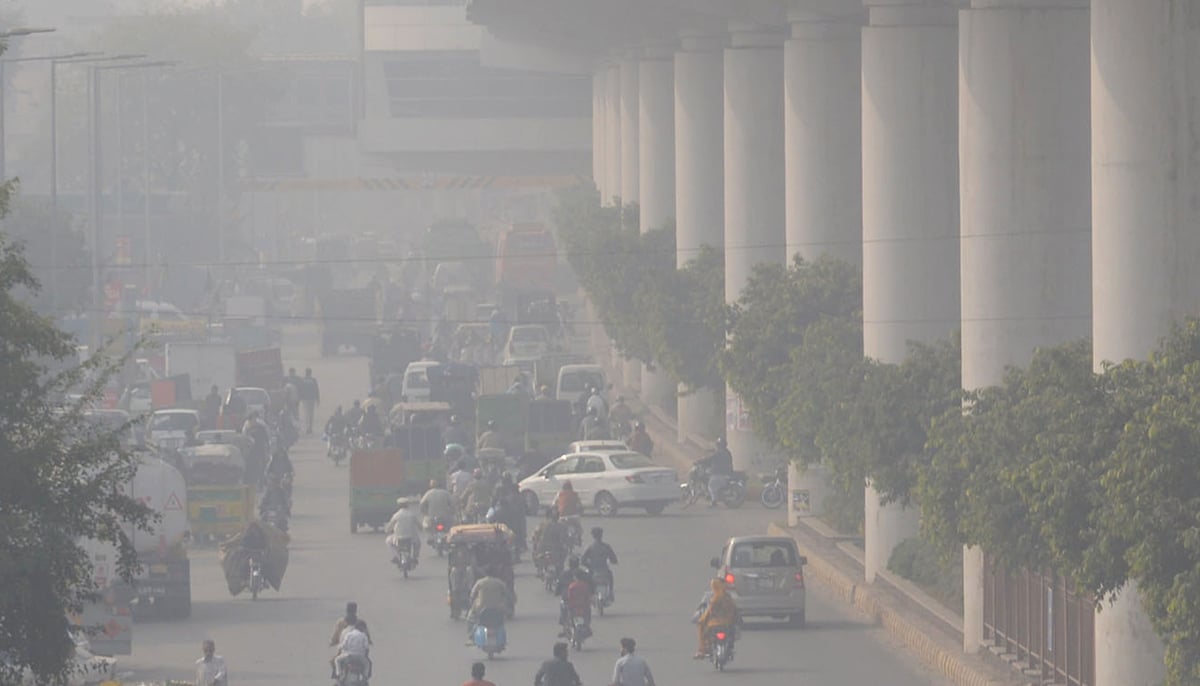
730	578
442	527
720	635
799	580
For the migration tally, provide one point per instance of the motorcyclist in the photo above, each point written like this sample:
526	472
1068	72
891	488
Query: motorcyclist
436	505
596	402
490	438
370	424
550	539
456	432
570	508
620	417
489	593
564	582
476	497
639	440
578	600
721	612
280	465
597	558
253	545
460	478
592	427
346	621
288	433
256	459
404	529
355	644
354	415
275	498
720	467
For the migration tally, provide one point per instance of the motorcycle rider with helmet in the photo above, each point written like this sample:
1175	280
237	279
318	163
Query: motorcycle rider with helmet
404	528
597	558
720	468
592	428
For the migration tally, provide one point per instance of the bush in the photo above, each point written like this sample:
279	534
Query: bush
938	575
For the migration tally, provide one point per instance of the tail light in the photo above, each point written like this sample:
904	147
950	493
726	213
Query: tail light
799	582
635	479
730	578
442	527
720	635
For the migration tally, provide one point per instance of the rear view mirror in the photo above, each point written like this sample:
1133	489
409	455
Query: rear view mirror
715	563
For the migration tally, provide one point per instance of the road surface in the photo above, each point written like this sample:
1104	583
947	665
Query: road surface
280	640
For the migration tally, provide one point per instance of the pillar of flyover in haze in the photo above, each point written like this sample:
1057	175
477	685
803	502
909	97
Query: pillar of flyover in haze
1145	70
656	171
754	185
1025	199
630	181
699	183
910	246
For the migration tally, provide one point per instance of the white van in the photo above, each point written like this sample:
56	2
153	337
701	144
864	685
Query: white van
415	387
574	379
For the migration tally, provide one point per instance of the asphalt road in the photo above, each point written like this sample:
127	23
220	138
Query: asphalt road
281	638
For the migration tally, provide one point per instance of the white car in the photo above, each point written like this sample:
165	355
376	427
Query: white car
597	446
527	342
169	428
605	480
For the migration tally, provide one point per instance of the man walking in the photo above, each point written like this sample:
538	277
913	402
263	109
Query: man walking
477	672
631	670
210	669
310	397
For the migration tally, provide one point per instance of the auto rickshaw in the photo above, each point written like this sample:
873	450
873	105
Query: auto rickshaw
474	548
219	501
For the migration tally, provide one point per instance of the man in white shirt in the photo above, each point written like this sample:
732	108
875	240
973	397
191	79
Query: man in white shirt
355	644
596	402
404	526
437	503
210	669
631	670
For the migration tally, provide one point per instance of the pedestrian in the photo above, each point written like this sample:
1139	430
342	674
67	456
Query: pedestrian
310	397
210	668
558	671
631	670
477	672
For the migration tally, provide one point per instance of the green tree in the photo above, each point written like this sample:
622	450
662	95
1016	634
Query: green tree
685	319
62	482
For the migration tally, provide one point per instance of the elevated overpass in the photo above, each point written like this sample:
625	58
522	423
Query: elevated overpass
1021	170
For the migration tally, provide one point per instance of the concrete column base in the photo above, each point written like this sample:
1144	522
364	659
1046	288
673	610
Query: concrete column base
697	414
972	599
884	528
807	487
1128	651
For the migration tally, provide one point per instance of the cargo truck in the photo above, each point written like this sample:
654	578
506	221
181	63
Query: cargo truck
162	588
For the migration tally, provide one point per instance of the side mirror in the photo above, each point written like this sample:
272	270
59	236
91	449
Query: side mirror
715	563
803	560
546	475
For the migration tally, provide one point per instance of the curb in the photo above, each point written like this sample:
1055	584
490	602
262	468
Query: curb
951	664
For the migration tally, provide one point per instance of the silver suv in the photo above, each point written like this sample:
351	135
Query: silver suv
766	576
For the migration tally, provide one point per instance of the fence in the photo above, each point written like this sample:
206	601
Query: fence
1041	621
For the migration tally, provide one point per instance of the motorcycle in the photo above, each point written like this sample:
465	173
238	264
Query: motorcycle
577	632
733	495
258	581
574	532
339	448
774	492
405	561
489	634
549	568
437	537
275	518
721	644
354	672
602	595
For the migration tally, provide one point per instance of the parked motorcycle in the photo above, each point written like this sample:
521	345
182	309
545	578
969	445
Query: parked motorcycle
721	644
774	492
489	635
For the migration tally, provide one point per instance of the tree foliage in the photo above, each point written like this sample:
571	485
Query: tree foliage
685	319
62	482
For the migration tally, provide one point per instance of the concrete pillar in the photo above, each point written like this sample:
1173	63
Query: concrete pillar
599	106
1024	157
612	132
699	183
656	171
910	206
754	184
630	165
822	130
1145	169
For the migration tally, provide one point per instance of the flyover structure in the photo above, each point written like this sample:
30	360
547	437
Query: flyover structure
1024	171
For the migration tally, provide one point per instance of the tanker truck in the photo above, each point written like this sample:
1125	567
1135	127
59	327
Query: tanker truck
162	589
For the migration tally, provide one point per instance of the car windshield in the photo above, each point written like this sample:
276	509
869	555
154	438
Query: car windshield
535	334
574	382
173	421
764	554
631	461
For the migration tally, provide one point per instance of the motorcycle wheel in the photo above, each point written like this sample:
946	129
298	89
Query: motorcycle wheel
773	495
734	496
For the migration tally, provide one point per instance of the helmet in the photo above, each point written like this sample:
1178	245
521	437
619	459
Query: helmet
721	442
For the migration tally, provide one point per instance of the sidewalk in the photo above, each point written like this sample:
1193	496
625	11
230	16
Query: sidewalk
921	624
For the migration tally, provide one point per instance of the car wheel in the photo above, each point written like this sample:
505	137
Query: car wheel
531	503
606	504
796	619
656	509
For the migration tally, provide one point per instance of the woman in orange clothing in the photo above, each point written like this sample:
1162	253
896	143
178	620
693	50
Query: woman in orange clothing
721	612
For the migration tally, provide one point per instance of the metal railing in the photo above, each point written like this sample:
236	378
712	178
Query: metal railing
1041	622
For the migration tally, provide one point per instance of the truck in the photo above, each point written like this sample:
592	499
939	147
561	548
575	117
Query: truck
252	307
376	481
262	368
346	318
162	588
206	364
110	615
526	260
